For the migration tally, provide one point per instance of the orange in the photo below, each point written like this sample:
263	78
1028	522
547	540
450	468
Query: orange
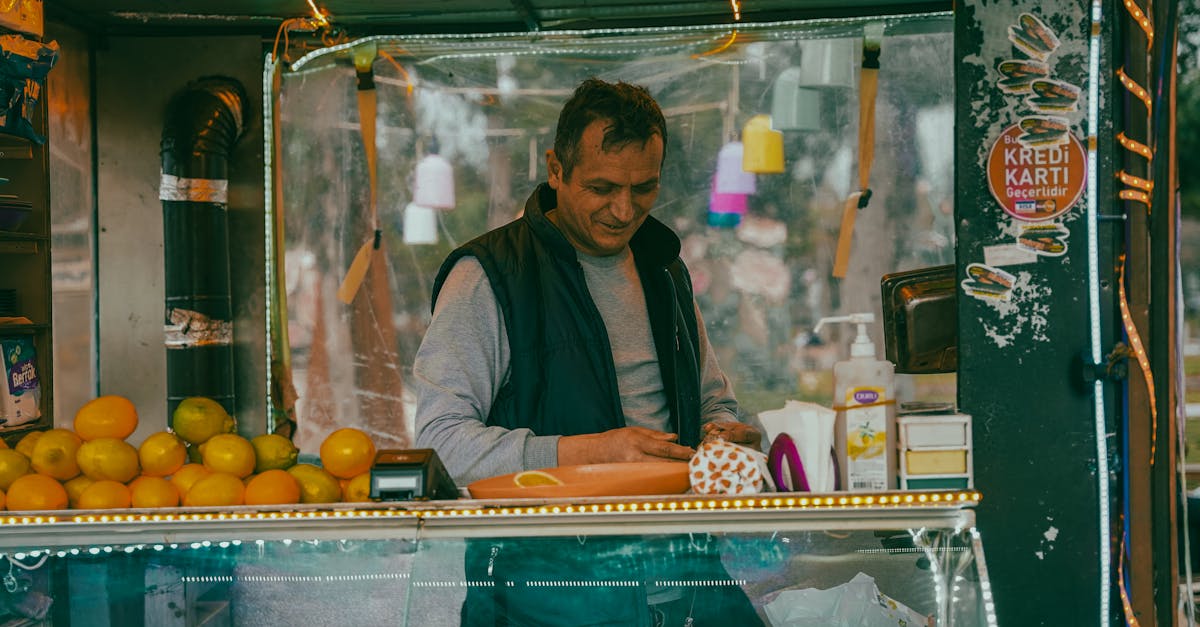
161	454
75	488
105	494
228	453
108	458
273	451
531	478
108	416
1	500
217	488
358	489
25	444
3	444
347	452
54	454
316	485
36	492
196	419
147	491
187	476
12	465
272	487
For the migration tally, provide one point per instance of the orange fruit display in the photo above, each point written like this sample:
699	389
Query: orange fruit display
25	444
161	454
316	485
196	419
108	458
36	492
358	489
109	416
347	453
217	488
272	487
187	476
147	491
228	453
105	494
75	488
54	454
12	466
273	451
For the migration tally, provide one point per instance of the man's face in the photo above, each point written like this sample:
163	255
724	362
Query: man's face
609	194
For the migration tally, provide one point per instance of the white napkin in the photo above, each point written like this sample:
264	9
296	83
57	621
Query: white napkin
811	427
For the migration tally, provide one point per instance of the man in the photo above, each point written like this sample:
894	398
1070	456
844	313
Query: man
570	336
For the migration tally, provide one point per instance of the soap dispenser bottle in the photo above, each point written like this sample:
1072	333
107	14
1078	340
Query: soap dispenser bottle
864	388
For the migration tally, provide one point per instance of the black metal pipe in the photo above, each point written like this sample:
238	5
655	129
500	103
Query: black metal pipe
203	122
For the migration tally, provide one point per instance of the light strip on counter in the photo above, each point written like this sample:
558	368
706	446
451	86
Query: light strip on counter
1094	312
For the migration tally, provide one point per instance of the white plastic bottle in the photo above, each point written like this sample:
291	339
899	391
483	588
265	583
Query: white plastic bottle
864	389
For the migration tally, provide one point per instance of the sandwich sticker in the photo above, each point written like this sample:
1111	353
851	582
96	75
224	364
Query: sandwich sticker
1019	74
1032	37
1035	171
987	282
1046	240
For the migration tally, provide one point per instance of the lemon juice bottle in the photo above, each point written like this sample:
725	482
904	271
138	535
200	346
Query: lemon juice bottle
865	427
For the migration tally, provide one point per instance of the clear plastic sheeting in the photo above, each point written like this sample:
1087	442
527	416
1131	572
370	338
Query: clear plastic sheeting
489	105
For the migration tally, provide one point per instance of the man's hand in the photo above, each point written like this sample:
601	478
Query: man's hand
734	432
627	444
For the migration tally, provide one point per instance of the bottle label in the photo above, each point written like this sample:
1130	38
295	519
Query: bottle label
866	438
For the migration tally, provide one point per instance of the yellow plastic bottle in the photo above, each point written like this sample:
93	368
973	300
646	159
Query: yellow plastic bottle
864	435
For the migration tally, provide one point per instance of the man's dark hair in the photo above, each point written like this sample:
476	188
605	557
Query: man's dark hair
633	114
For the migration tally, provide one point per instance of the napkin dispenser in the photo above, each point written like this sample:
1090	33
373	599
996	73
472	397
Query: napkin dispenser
410	475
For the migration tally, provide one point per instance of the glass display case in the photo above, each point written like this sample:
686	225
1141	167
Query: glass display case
897	558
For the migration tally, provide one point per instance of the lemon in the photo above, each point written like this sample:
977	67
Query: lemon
347	453
272	487
187	476
108	416
54	454
161	454
36	492
12	466
25	445
273	452
108	458
217	488
75	488
146	491
316	485
530	478
228	453
105	494
358	489
196	419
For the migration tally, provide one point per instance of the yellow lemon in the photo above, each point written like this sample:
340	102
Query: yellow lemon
75	488
273	452
25	444
217	488
36	492
108	458
147	491
12	465
272	487
358	489
347	452
531	478
105	494
54	454
316	485
228	453
108	416
161	454
187	476
196	419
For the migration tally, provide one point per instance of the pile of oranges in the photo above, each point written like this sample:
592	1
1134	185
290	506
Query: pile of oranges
200	461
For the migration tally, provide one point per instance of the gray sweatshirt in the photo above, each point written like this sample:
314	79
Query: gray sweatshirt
463	362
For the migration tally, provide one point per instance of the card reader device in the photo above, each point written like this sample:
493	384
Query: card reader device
410	474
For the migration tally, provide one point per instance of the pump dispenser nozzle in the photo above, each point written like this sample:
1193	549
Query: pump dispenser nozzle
862	345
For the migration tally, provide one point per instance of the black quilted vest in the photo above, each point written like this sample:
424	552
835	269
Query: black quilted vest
563	381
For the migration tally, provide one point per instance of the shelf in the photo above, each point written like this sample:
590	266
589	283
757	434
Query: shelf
22	329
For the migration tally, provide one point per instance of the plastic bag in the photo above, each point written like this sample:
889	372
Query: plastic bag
856	603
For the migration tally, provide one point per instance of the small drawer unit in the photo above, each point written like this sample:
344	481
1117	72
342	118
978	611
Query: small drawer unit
935	452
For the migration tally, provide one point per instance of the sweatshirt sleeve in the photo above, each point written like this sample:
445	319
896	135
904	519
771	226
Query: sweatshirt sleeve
717	401
462	363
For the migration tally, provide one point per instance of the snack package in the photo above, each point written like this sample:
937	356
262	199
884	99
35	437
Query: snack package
20	392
